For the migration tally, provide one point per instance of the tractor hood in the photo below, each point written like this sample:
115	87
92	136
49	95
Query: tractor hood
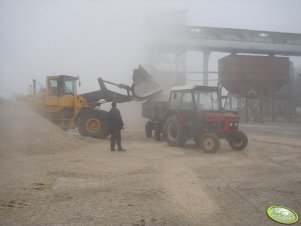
220	116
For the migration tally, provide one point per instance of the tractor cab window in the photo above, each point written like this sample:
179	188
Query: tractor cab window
206	100
187	101
69	86
175	100
53	85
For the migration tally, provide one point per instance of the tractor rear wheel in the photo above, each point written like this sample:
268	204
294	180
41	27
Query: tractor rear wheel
209	142
238	140
93	123
174	132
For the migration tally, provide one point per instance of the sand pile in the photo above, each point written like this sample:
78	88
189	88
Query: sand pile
25	131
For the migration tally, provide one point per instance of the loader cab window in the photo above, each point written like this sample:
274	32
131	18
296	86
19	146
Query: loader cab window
69	86
53	85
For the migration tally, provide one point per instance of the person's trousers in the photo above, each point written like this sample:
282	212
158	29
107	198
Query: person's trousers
115	138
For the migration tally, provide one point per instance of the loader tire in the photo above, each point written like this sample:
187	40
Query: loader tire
93	124
238	141
174	132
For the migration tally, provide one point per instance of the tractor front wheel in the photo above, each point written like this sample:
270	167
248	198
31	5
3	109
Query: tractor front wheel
238	140
209	142
93	123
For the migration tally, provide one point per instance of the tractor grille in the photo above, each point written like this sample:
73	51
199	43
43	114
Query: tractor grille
211	125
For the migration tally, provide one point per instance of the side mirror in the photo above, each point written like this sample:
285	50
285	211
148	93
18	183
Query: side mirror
79	83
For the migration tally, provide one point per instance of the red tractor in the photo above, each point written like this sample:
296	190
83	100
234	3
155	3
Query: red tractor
193	112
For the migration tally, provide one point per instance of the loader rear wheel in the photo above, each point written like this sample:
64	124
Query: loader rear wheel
174	132
238	140
93	124
209	142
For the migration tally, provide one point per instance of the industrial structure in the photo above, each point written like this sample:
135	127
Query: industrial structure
170	39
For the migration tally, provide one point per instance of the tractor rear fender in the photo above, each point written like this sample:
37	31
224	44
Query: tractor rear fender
179	116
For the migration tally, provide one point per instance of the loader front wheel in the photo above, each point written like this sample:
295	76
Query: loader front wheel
93	124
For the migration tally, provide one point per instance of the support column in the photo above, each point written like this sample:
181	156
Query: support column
180	68
273	109
247	109
34	87
290	103
261	103
177	61
230	102
206	54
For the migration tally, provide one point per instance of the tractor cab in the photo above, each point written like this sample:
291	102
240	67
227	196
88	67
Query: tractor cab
193	104
200	108
206	98
194	98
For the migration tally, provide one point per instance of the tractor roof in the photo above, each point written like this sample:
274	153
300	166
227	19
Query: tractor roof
194	87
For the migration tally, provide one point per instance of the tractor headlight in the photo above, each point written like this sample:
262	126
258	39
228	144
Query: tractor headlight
233	124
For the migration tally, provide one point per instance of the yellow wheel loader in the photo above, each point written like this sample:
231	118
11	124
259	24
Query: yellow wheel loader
61	105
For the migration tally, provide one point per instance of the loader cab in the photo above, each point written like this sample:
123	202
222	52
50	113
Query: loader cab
61	91
61	85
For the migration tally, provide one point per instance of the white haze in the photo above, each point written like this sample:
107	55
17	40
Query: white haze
107	38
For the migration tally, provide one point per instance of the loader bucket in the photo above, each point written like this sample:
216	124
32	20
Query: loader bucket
143	84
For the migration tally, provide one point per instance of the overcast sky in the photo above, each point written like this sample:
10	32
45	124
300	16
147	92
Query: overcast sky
106	38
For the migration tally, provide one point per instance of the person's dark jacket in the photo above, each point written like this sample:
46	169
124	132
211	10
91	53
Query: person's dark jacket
114	119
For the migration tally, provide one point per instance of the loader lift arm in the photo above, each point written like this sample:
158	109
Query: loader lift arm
143	86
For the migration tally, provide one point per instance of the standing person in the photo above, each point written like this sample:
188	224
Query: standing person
115	125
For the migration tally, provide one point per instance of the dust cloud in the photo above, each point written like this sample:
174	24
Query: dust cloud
27	132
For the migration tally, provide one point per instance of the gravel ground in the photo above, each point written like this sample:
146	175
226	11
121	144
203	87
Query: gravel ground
51	177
